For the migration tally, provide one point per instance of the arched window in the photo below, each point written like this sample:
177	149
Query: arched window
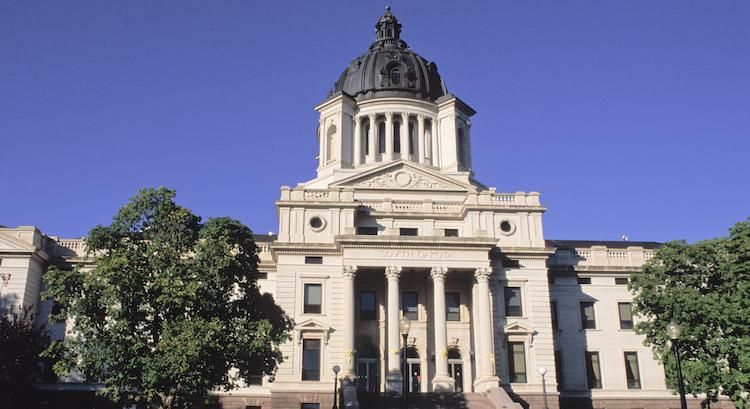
396	137
414	368
366	139
412	138
331	143
461	148
381	137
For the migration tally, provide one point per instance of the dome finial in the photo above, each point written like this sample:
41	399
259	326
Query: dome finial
388	28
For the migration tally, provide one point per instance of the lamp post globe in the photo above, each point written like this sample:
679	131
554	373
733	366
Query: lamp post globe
543	371
673	331
336	369
404	325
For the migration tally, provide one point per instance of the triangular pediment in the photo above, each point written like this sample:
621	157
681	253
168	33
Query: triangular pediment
517	328
404	175
8	243
312	325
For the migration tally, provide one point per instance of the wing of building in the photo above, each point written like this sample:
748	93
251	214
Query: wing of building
395	225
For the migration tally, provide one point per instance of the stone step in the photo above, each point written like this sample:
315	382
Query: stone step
426	401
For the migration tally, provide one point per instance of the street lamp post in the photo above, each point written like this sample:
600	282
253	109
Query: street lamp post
336	370
674	330
404	325
543	371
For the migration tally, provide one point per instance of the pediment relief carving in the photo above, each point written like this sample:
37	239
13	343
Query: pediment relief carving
403	176
517	328
7	243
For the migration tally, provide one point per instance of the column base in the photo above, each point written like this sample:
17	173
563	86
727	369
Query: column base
484	383
394	384
443	383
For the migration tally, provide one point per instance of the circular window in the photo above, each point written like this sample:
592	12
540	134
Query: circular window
507	227
317	223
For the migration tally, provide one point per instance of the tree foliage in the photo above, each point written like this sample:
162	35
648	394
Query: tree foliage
171	308
21	343
705	288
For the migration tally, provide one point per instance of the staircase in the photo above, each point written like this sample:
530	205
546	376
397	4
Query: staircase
426	401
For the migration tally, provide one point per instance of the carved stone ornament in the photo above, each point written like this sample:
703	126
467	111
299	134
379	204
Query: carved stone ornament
438	273
349	271
392	272
482	274
402	179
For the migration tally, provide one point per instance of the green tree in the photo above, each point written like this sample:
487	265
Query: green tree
170	309
705	288
21	343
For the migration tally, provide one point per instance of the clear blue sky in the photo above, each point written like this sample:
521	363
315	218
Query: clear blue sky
628	116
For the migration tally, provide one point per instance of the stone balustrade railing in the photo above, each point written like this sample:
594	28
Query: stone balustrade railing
601	256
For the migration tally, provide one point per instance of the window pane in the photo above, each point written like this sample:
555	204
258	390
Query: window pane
588	320
313	298
631	370
367	231
584	280
621	280
311	360
452	307
626	315
396	137
513	302
313	260
381	137
367	306
516	362
593	370
409	303
408	231
451	232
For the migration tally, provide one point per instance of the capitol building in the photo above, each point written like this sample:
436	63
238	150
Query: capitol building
396	225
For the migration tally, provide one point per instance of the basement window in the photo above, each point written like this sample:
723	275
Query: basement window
451	232
367	231
408	231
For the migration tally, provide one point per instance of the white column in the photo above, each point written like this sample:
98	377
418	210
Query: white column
393	376
357	159
404	136
373	139
348	273
442	382
420	138
435	142
388	136
486	355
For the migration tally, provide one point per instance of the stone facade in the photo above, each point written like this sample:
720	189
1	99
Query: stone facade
395	225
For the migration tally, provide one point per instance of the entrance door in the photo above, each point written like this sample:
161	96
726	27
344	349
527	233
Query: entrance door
415	377
456	369
368	375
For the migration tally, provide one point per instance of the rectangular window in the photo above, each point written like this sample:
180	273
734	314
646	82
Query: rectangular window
593	370
621	280
631	370
588	319
367	231
408	231
255	380
313	298
553	311
310	359
368	306
516	362
381	137
584	280
313	260
309	406
451	232
452	306
513	302
409	303
626	315
366	139
559	371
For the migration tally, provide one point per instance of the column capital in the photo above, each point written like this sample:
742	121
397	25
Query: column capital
404	116
389	115
420	117
438	273
482	273
372	116
349	272
392	272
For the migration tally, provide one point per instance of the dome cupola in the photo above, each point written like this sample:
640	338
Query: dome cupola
390	69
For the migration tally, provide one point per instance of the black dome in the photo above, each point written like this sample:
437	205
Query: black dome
390	69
